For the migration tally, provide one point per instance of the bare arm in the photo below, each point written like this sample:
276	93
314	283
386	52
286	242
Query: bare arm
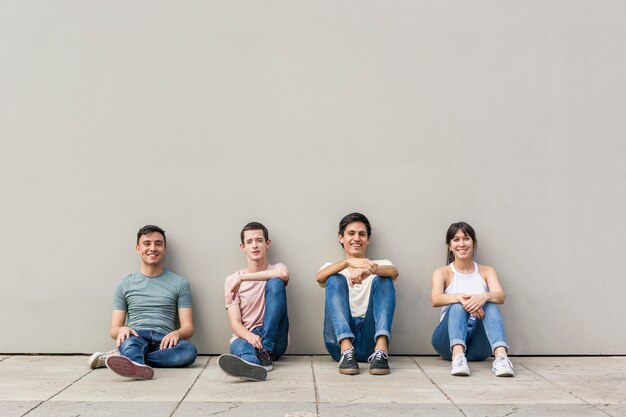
386	271
185	317
234	317
361	268
332	269
437	296
494	295
119	331
282	273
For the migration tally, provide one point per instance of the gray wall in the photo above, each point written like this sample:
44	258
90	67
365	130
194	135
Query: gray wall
201	116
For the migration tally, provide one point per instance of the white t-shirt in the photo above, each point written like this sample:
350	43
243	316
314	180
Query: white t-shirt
360	293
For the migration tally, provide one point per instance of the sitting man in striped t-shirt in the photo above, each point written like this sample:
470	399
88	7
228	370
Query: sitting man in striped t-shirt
152	315
256	303
360	301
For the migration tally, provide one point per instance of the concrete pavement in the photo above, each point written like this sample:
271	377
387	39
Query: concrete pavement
302	386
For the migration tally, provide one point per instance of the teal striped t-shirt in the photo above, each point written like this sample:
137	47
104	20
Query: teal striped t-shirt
152	303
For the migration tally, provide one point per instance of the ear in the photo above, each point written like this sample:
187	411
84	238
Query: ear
340	239
269	242
242	246
137	249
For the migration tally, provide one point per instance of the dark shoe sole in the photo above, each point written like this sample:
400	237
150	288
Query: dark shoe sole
379	371
123	366
235	366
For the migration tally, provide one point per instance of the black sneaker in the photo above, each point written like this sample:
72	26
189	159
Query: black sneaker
378	363
266	358
348	364
235	366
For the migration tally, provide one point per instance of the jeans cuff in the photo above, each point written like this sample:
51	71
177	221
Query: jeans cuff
342	336
383	333
455	342
499	344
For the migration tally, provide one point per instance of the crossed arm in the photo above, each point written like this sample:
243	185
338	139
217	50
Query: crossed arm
472	303
360	268
121	332
231	293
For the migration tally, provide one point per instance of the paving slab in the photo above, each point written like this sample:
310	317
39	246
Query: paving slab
388	409
563	363
104	385
406	384
531	410
616	410
241	409
37	378
104	409
16	408
595	386
482	387
290	381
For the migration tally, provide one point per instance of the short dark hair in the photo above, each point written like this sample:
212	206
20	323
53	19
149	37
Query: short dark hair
452	230
354	217
255	226
150	228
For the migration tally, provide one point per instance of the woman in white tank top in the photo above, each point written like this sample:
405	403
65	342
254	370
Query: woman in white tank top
470	326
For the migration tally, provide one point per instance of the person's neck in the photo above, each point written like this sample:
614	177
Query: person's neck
464	266
256	266
151	270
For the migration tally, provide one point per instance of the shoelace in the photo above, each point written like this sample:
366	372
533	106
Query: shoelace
347	355
503	361
458	360
377	355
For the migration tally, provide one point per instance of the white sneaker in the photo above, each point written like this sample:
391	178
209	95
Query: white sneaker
502	366
98	359
459	365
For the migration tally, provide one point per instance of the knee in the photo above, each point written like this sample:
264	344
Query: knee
383	283
188	353
456	308
336	282
489	306
274	286
132	341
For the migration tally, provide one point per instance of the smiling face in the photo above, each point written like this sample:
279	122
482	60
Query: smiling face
355	240
461	246
254	245
151	248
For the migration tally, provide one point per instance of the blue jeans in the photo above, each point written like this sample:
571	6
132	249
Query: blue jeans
145	350
274	332
362	331
479	338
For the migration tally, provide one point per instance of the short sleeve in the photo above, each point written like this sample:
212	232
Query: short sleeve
325	265
184	295
227	283
119	300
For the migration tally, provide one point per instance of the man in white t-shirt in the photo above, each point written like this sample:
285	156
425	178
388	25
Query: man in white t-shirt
360	301
256	302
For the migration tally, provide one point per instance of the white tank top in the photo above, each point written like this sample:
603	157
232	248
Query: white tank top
471	283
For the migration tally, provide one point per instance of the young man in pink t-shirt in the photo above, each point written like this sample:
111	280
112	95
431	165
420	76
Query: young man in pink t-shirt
256	302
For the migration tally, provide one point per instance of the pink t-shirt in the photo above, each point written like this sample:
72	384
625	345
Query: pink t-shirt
251	299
